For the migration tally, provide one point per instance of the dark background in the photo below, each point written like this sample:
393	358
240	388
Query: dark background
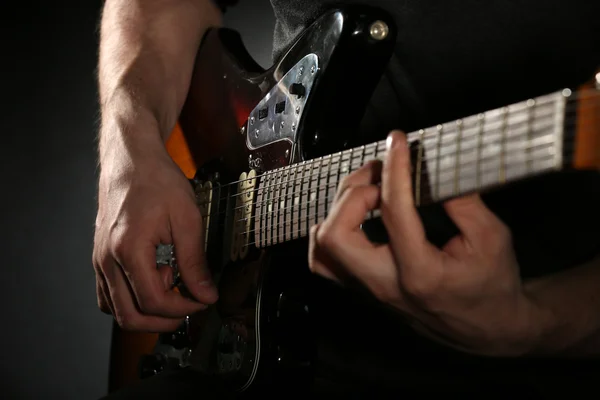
55	342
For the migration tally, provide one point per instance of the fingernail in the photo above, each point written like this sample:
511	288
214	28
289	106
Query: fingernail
390	142
394	141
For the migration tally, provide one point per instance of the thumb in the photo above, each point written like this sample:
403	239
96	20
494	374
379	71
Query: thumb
187	231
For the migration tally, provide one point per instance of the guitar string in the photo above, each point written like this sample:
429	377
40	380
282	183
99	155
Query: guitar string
308	175
306	203
306	221
365	157
306	207
546	100
320	187
291	192
448	135
570	121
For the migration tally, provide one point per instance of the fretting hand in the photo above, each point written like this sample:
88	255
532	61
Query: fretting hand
467	295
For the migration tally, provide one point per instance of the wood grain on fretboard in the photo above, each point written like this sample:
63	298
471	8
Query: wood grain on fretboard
472	154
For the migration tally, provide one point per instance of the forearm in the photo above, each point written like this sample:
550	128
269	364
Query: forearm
147	53
569	305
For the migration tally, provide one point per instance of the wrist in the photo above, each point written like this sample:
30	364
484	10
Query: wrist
128	134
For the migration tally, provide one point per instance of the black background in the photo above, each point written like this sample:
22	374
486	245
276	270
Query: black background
54	340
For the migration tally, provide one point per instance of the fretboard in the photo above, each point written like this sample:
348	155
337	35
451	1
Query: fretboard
472	154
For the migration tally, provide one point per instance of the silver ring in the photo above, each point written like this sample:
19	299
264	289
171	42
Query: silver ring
165	255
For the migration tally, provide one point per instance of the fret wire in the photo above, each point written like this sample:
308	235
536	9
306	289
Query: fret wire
530	105
280	203
481	123
502	174
315	188
297	199
457	156
273	206
308	194
326	189
264	222
270	207
437	160
327	180
293	200
418	169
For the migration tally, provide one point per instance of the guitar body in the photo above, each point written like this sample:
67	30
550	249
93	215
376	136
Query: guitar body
259	330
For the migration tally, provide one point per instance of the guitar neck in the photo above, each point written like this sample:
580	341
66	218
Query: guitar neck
474	154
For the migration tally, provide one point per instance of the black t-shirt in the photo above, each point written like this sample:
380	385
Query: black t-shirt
455	58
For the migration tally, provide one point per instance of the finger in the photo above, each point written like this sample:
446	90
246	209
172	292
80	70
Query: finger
102	293
368	174
350	211
152	298
127	315
188	237
166	275
473	218
103	300
318	260
342	240
400	217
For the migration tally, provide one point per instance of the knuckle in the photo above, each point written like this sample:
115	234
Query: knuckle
498	236
328	237
103	305
421	290
149	303
312	266
127	321
190	265
194	217
383	292
119	245
504	234
345	183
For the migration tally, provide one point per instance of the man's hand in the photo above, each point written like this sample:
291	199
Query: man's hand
144	199
146	59
468	295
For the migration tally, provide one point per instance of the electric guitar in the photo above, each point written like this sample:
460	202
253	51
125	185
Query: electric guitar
278	144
